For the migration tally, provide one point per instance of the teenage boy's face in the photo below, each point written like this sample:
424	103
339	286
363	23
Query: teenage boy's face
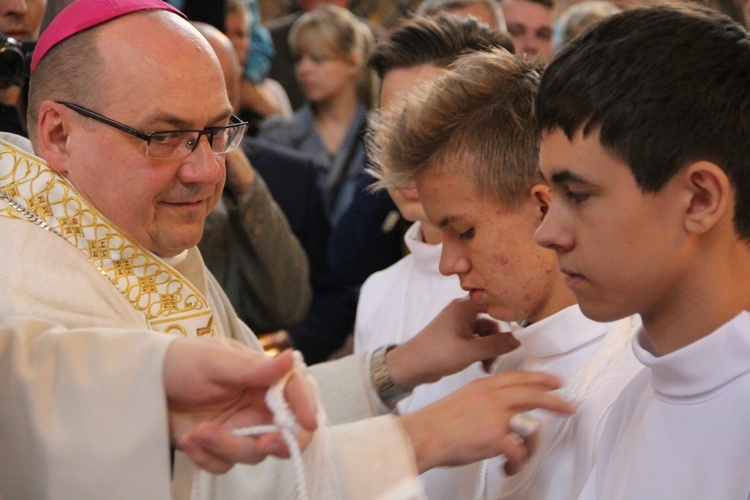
491	249
615	243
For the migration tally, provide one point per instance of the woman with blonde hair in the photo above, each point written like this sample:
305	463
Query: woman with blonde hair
332	47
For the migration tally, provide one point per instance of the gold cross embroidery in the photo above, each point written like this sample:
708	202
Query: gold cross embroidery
71	226
98	249
147	284
168	301
38	206
124	268
11	189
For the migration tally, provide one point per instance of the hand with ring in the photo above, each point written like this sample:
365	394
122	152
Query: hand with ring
484	419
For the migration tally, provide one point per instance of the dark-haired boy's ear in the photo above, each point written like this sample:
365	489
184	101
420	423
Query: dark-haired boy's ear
52	136
711	196
543	197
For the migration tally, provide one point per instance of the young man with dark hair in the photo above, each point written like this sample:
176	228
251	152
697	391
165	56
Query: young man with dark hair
648	155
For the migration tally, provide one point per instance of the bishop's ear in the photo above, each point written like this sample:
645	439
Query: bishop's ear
711	196
52	135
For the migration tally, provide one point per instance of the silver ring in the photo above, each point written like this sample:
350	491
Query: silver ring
523	425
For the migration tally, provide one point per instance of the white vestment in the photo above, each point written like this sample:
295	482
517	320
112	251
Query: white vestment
57	439
594	362
44	276
680	428
394	305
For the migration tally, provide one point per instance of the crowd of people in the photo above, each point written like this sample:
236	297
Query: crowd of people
508	241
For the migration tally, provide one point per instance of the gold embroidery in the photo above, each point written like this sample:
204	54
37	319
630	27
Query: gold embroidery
71	226
169	302
123	268
98	249
35	193
206	330
39	206
11	189
147	284
176	329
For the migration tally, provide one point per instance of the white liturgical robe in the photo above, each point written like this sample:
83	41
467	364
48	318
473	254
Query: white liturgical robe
680	428
594	362
394	305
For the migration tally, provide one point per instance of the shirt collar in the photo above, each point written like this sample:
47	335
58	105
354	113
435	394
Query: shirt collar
698	369
560	333
426	256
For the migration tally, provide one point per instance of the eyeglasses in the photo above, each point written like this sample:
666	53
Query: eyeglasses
175	144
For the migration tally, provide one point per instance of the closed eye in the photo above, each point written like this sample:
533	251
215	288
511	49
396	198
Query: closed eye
467	235
166	137
576	198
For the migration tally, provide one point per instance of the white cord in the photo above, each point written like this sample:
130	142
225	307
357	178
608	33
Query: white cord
284	423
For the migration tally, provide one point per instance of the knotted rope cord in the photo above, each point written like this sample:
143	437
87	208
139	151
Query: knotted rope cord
584	383
287	426
284	423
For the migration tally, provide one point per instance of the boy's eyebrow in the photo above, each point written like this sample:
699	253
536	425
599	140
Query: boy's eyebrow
567	176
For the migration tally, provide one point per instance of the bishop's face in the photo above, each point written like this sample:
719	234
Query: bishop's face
156	79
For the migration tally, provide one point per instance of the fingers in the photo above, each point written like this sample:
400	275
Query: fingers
217	450
522	377
485	327
532	390
517	461
274	444
495	343
252	369
221	361
473	422
300	395
487	365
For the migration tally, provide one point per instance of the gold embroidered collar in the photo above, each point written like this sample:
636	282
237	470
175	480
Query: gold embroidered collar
31	191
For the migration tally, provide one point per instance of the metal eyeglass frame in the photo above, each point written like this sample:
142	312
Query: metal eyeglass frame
209	132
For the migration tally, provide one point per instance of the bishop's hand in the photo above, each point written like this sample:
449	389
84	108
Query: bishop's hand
214	386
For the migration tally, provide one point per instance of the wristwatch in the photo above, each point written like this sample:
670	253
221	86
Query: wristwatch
388	391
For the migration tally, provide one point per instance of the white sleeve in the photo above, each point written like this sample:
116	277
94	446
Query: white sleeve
372	459
82	412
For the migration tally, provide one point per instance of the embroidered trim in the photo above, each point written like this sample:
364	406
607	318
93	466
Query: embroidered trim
35	193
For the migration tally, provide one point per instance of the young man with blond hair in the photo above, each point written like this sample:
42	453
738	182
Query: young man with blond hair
469	141
393	305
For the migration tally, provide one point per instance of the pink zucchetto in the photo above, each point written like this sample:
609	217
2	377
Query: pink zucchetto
84	14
